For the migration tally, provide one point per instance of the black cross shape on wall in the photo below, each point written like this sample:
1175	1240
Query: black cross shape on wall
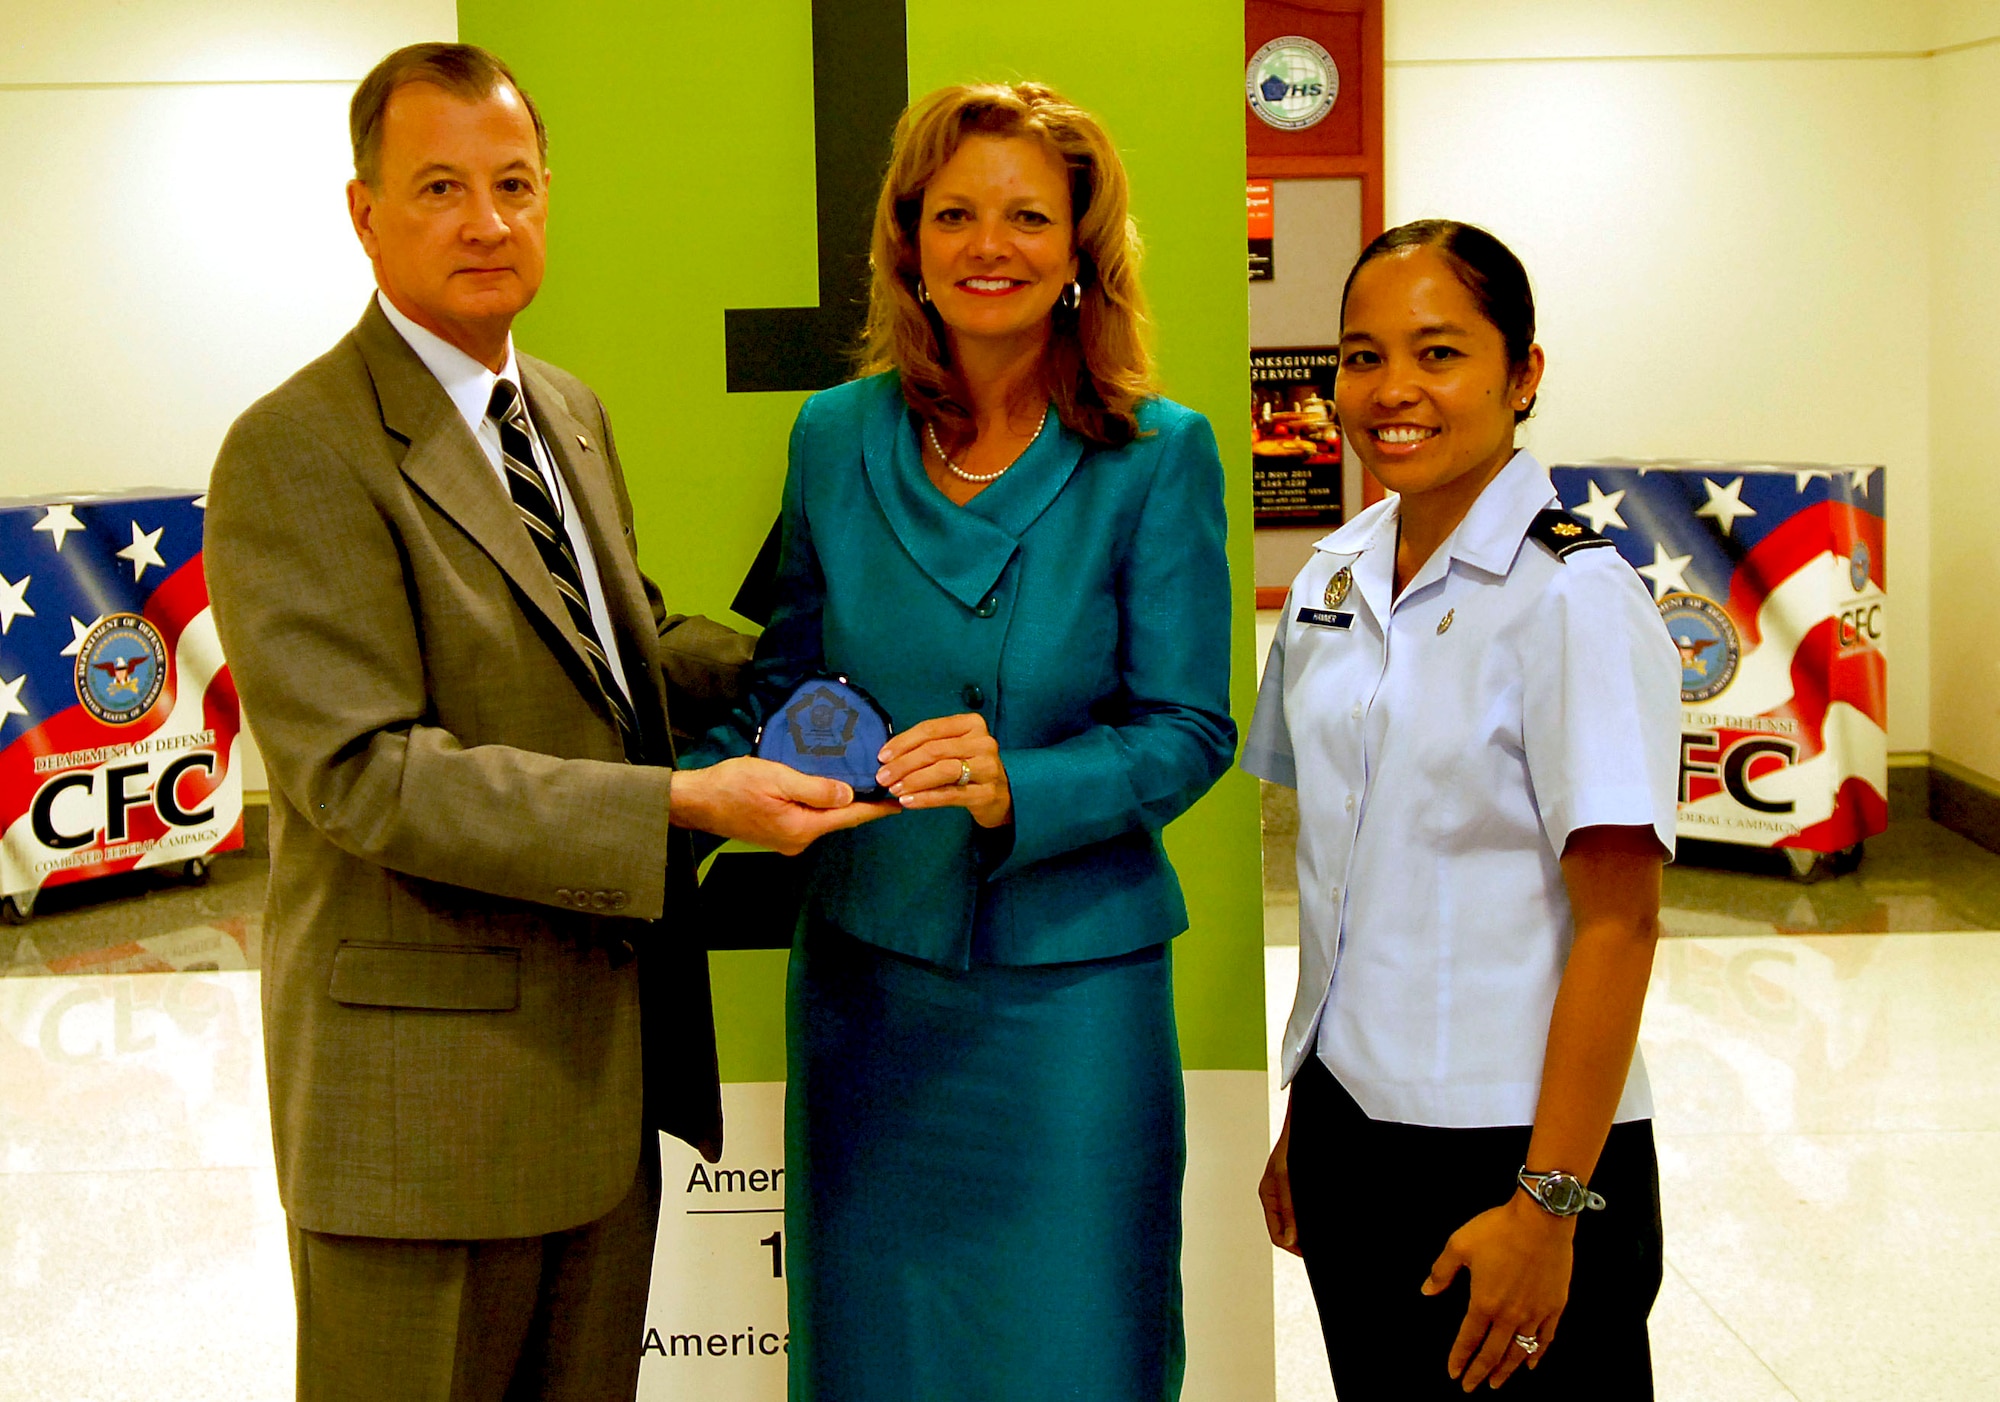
860	86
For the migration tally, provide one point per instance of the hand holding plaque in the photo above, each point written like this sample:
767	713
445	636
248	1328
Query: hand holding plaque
950	762
830	727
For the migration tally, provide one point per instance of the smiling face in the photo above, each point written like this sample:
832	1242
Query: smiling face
1425	393
454	223
995	242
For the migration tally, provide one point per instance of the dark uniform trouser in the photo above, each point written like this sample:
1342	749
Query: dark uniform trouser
1375	1203
560	1316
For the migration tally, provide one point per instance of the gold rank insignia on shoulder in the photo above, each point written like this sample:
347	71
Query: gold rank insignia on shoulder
1337	587
1444	624
1560	535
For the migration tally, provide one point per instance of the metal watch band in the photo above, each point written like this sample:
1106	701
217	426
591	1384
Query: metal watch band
1537	1185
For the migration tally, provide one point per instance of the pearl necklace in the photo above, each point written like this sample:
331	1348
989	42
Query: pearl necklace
930	431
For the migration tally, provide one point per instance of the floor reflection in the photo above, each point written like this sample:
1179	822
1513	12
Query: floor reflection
144	923
1821	1056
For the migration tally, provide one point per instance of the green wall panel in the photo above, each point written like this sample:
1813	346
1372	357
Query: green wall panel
681	137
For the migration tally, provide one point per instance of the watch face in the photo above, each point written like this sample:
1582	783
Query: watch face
1564	1195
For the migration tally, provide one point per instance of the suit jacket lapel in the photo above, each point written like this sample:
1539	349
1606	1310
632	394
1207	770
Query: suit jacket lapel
962	551
447	465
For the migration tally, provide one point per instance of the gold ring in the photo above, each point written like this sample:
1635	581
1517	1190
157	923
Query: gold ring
964	773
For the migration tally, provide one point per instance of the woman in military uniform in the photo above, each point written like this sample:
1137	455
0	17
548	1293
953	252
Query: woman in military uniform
1479	709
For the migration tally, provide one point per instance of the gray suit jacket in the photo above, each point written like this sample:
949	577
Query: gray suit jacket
481	976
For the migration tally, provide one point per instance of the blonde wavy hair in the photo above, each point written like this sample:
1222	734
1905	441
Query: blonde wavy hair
1097	366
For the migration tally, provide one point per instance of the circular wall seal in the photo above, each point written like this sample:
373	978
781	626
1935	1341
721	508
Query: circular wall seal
1708	644
1292	83
121	668
1857	566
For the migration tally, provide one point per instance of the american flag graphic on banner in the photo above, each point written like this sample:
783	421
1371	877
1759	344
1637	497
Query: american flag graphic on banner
1771	581
118	719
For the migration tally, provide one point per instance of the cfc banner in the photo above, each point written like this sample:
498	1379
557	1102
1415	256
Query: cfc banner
118	721
1771	582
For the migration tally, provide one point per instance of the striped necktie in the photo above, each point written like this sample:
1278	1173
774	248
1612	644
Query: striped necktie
542	517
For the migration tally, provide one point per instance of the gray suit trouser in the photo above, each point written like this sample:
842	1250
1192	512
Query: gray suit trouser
559	1317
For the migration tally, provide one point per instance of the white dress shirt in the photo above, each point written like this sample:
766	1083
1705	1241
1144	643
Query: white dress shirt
470	386
1444	747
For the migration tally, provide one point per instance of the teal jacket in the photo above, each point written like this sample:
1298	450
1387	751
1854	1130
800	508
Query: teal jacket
1080	603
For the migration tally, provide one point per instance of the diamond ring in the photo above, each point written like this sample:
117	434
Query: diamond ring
1529	1343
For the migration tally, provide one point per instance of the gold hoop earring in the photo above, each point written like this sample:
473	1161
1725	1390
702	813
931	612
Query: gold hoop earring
923	293
1071	298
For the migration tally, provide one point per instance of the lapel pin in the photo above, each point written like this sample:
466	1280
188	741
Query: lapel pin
583	443
1337	587
1444	624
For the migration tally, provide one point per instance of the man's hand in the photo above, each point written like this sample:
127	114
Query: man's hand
767	805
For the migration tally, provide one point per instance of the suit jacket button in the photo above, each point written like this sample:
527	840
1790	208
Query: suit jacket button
618	900
975	699
562	895
988	606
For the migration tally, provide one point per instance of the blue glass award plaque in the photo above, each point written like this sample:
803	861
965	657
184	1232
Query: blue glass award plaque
830	727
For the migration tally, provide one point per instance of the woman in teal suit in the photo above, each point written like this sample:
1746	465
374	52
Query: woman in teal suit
1017	547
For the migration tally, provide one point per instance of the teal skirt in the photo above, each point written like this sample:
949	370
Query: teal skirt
984	1173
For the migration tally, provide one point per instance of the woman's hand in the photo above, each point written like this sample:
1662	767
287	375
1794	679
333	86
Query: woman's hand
1519	1256
950	762
1275	1192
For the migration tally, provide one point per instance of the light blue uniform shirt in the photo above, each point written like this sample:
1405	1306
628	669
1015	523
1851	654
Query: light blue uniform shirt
1444	746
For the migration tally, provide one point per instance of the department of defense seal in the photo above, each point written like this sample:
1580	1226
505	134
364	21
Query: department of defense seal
1709	646
821	722
121	668
1292	83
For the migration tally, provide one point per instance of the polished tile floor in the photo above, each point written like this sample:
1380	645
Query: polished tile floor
1821	1055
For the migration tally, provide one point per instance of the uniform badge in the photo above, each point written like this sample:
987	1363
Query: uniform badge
1444	624
1337	587
1708	644
121	668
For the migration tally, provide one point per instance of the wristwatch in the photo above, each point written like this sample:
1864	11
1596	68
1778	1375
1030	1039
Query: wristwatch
1559	1193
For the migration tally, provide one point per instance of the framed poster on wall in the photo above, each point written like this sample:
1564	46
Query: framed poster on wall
1294	441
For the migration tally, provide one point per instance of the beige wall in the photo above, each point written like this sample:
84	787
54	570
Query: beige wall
1728	212
1965	407
175	238
1431	30
1964	21
174	230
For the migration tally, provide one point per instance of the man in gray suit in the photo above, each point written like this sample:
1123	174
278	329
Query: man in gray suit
483	987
